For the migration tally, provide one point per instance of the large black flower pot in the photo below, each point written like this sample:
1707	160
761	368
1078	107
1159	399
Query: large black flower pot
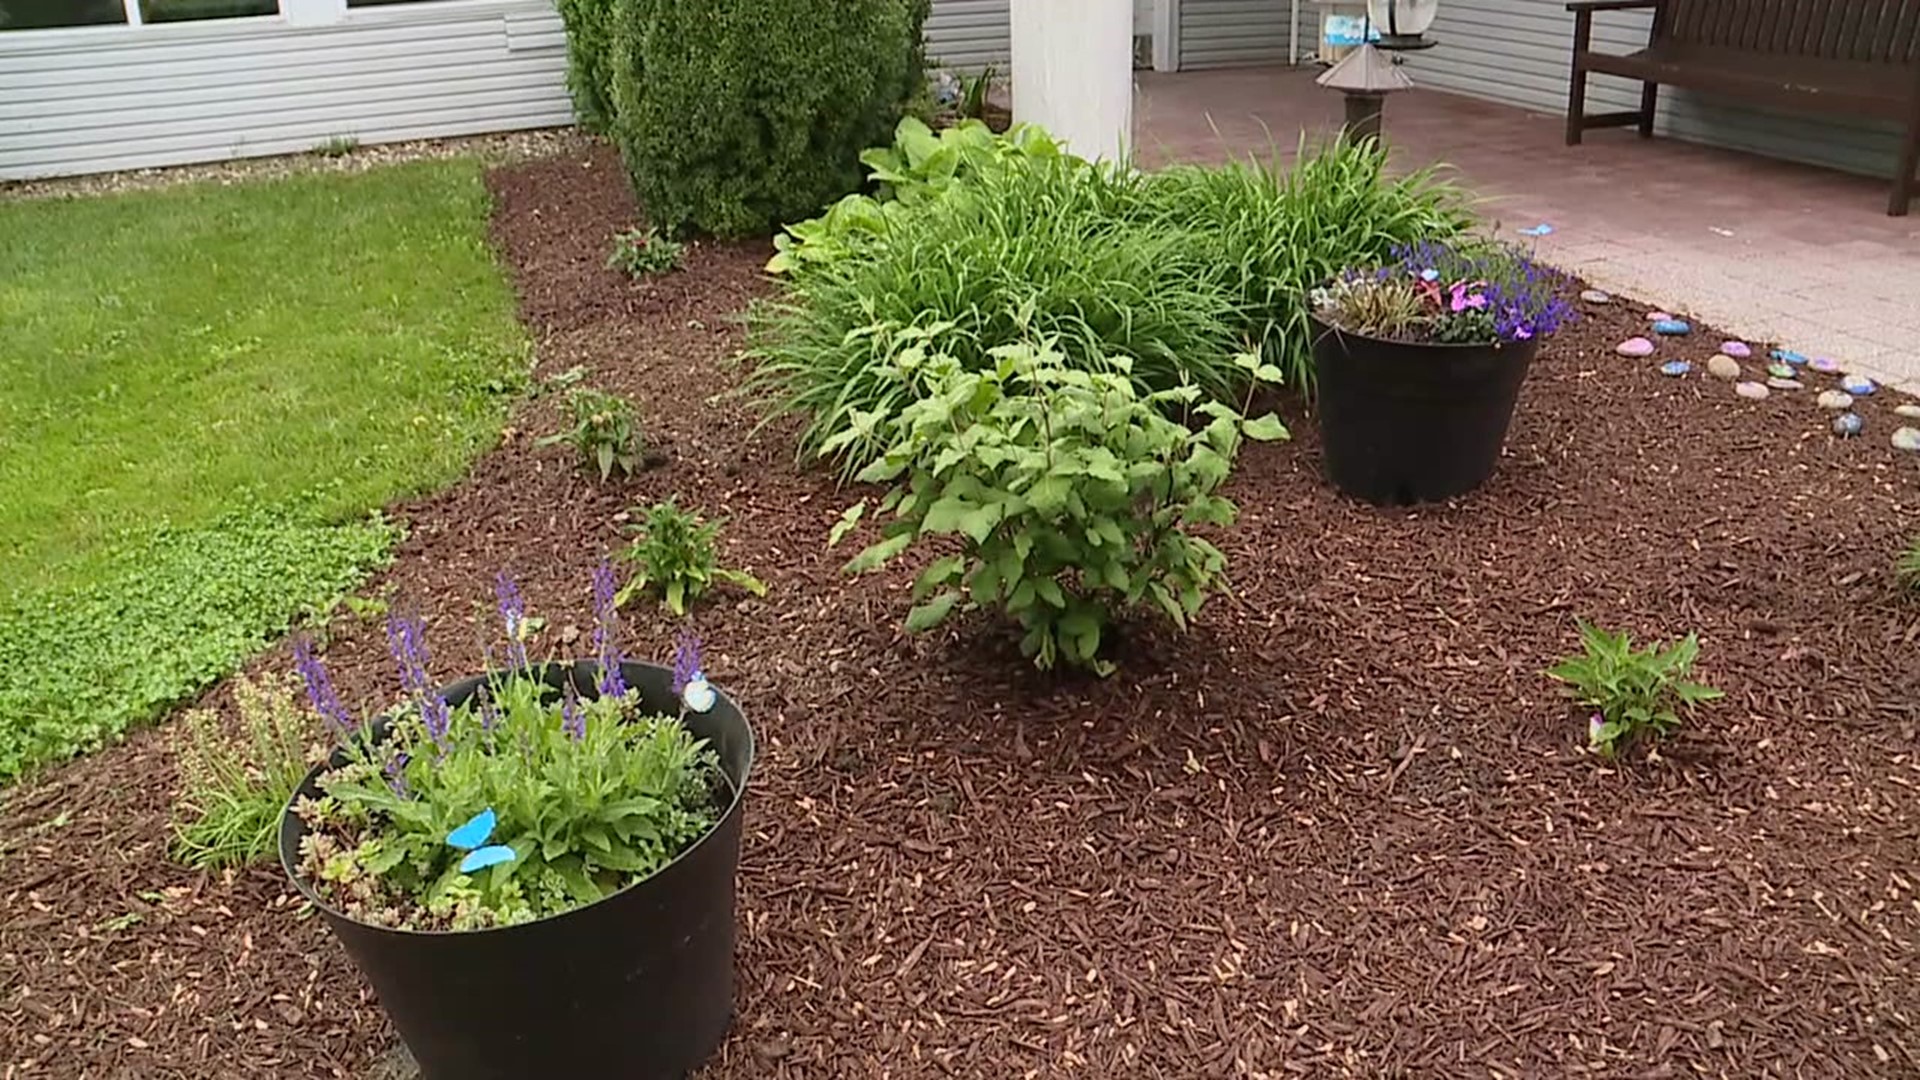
638	986
1407	423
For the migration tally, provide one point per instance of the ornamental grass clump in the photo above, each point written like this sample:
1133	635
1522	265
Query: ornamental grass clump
236	783
520	802
1062	498
1446	294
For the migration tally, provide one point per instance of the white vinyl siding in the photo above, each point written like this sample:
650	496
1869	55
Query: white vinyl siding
1232	33
1519	52
106	98
969	34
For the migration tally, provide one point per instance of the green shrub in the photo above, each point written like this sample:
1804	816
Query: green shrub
1042	248
605	432
1636	692
642	253
1277	233
673	554
1068	492
234	787
736	116
590	61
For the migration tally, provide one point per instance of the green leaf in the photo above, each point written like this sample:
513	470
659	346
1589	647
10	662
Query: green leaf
928	615
849	520
940	572
1267	428
946	515
878	554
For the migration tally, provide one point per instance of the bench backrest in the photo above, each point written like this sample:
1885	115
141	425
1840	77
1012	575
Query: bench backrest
1860	31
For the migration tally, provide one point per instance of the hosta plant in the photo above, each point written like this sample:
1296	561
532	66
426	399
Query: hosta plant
1061	497
605	432
674	555
1634	693
522	802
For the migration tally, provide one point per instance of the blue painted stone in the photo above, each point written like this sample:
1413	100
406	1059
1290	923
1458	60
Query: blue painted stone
1789	356
1672	327
1858	385
1847	425
1675	368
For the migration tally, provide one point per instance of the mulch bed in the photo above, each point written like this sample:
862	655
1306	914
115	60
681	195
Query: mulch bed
1344	828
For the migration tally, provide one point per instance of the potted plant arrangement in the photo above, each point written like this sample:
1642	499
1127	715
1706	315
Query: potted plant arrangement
534	867
1419	364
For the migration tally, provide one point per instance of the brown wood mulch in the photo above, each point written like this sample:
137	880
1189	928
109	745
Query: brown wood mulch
1344	828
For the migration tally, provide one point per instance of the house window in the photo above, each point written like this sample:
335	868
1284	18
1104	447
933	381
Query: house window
158	11
43	14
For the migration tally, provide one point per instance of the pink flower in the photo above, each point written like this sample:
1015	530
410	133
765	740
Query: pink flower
1462	300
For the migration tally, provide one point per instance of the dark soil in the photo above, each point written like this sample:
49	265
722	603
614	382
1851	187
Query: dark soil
1344	828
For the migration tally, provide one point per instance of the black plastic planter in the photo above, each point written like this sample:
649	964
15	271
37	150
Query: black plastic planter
636	987
1407	423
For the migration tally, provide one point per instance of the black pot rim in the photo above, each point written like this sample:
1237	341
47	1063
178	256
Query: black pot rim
1333	327
308	893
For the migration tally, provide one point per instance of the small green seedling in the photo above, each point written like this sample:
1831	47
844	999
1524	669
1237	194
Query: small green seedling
642	253
1635	692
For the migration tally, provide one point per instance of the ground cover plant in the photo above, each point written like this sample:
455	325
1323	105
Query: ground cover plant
1636	693
521	802
311	348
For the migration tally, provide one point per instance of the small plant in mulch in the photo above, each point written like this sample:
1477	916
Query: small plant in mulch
642	253
605	432
674	554
1907	569
521	802
1635	693
236	784
1449	294
1071	495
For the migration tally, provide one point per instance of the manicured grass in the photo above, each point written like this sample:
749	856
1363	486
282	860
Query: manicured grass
307	348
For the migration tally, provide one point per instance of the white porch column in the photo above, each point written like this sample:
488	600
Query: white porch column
1073	72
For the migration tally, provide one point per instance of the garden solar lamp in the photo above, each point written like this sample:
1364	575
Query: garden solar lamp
1369	73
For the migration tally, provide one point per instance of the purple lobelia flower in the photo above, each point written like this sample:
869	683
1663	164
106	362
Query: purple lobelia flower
320	693
573	719
606	632
513	612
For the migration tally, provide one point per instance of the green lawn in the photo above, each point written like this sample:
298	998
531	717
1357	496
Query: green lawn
266	361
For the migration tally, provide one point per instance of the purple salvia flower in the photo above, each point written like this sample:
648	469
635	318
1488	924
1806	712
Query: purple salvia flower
686	661
396	773
437	718
573	720
513	612
320	693
489	712
406	641
606	632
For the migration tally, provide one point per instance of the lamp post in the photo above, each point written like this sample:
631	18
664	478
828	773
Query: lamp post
1368	74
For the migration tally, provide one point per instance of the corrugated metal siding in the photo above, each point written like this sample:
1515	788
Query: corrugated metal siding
1230	33
121	98
1519	52
970	34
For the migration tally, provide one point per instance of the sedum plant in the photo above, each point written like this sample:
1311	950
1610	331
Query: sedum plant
605	432
234	786
522	802
1062	498
674	555
1635	692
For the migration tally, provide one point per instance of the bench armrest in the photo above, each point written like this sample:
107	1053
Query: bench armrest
1611	5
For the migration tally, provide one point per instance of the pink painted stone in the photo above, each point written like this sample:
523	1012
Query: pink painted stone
1736	349
1635	347
1658	316
1826	365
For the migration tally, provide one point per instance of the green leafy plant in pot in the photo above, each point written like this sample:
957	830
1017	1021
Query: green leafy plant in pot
1419	364
534	865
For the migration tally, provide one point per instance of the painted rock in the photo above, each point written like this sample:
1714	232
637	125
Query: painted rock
1635	347
1672	327
1847	425
1825	365
1736	349
1675	368
1858	385
1912	412
1724	367
1780	371
1788	356
1907	439
1779	383
1658	316
1752	391
1837	400
1595	296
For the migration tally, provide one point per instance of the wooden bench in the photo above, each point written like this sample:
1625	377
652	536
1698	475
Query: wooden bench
1851	57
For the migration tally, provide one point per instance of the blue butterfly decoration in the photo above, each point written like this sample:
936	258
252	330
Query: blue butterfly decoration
472	838
1542	229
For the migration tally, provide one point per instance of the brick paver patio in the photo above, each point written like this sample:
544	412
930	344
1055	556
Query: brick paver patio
1776	251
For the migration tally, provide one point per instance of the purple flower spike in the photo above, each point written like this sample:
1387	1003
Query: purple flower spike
406	641
606	632
489	712
573	720
513	612
686	661
320	693
396	773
